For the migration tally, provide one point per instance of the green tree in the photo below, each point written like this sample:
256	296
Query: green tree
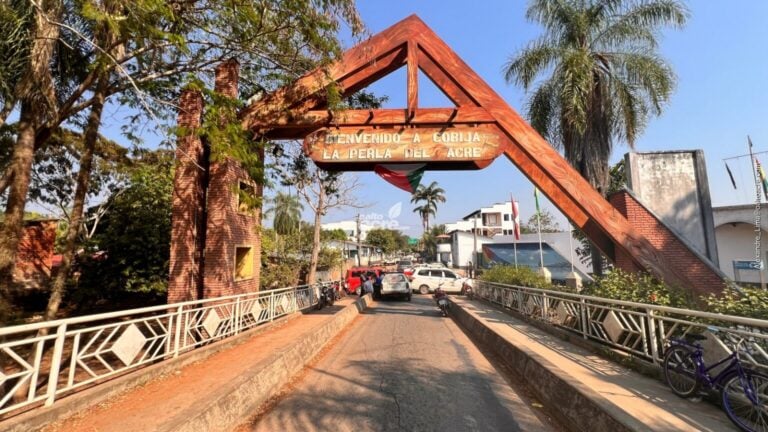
133	239
429	241
430	196
334	234
83	52
604	76
548	224
388	240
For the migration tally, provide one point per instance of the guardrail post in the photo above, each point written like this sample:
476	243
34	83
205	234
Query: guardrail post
295	299
545	307
584	319
237	315
177	331
53	376
271	306
652	331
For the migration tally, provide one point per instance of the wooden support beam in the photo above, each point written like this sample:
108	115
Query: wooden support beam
377	117
413	78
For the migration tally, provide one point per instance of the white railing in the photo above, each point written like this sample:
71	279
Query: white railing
41	362
640	329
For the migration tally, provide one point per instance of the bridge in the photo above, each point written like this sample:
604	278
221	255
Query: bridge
512	358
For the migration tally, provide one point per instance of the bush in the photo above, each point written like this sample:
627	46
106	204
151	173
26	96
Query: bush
750	302
637	287
523	276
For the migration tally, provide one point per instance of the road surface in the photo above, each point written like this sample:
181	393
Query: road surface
402	367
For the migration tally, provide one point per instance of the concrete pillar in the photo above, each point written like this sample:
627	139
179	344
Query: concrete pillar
546	274
573	281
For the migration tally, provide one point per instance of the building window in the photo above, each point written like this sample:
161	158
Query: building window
506	218
246	196
243	262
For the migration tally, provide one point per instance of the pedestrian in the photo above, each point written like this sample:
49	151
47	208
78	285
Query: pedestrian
377	287
368	286
470	269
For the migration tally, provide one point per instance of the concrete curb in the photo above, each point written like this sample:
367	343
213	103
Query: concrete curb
233	402
571	401
39	418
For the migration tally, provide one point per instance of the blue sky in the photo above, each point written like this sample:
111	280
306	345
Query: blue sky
721	59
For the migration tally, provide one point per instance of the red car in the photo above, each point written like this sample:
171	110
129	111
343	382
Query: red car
352	280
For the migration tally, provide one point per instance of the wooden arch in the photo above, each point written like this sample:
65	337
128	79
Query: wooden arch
295	111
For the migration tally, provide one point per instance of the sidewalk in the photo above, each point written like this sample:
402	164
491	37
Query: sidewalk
617	395
169	402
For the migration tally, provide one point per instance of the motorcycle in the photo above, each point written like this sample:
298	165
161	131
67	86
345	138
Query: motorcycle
326	297
466	290
441	298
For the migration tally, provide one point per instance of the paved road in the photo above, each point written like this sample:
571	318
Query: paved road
402	367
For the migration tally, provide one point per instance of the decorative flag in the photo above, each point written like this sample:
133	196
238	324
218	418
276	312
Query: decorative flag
536	198
516	218
404	176
763	179
730	174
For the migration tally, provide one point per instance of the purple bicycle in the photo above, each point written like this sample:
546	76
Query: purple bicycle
744	391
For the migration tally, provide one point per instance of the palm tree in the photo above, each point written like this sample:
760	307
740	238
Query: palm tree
286	210
602	77
430	196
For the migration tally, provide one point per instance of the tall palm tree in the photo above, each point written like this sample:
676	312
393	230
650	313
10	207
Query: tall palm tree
430	195
286	211
602	77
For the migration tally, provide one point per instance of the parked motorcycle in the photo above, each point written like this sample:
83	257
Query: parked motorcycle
326	296
466	290
441	298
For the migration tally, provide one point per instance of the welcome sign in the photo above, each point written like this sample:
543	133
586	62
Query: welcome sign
342	147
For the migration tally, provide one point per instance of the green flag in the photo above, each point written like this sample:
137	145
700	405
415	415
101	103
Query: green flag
536	197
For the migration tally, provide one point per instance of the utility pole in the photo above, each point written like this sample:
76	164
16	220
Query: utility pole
357	232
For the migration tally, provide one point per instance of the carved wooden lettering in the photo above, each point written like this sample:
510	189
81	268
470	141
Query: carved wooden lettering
355	145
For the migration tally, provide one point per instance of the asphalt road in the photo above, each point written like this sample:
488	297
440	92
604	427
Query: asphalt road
402	367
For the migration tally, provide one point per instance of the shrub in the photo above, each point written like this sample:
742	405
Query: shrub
636	287
523	276
750	302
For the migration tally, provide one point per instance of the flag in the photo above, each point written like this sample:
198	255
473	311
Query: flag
536	198
730	174
763	179
404	176
516	218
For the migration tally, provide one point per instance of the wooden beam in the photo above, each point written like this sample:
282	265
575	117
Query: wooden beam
377	117
413	78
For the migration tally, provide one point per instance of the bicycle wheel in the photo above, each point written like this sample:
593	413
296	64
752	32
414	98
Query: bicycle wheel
680	371
743	412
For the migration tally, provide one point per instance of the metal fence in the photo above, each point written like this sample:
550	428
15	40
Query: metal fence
41	362
636	328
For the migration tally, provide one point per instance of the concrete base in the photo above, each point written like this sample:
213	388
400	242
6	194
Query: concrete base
573	281
545	273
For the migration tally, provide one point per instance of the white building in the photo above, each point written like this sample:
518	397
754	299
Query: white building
487	221
739	244
350	228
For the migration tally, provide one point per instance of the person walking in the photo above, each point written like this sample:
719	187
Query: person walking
367	286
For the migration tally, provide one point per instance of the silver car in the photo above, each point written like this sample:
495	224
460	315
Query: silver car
395	284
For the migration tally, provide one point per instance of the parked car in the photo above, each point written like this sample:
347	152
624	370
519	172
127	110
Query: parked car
404	264
427	279
395	284
352	281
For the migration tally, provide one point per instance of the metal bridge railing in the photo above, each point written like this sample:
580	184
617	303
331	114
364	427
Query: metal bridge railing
640	329
41	362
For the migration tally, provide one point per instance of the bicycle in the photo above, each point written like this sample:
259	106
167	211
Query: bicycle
744	392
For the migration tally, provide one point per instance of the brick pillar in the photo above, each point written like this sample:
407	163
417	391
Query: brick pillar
188	204
227	227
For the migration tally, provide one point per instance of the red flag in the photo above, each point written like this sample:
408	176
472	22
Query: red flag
516	217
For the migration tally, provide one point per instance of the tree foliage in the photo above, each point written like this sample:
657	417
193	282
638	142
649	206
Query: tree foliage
388	240
548	224
131	248
429	196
